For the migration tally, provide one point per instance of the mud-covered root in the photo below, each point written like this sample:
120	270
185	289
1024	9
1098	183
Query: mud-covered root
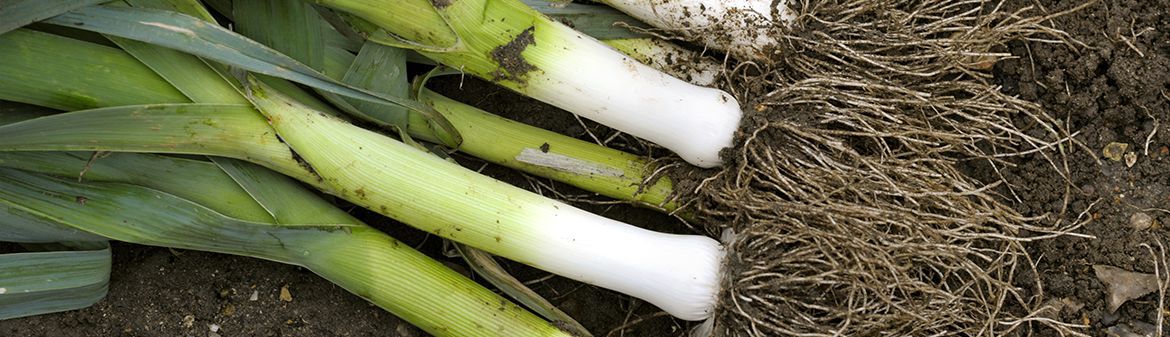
897	40
830	241
863	207
865	185
795	279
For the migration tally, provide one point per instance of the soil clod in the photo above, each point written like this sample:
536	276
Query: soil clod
513	66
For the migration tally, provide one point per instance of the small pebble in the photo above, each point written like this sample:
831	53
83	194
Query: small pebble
255	296
188	321
1130	159
285	295
406	330
1141	221
228	310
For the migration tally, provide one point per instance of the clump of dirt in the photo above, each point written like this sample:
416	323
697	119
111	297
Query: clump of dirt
513	66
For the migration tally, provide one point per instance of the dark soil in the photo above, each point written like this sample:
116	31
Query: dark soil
1114	88
160	292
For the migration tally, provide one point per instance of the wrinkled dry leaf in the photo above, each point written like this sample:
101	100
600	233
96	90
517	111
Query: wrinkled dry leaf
1124	285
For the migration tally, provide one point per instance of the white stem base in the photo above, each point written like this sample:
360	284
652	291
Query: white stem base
613	89
677	273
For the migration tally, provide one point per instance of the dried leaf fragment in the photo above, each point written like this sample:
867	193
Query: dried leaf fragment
1114	150
1124	285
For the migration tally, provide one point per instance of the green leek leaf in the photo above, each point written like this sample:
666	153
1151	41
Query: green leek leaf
199	181
191	35
45	282
74	81
290	27
382	69
18	13
17	225
600	22
228	130
142	215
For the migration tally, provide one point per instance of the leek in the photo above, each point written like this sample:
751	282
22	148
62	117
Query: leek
519	48
679	273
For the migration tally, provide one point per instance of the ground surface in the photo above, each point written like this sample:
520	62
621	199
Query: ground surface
1114	88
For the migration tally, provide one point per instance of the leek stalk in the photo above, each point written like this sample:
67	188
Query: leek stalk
678	273
511	44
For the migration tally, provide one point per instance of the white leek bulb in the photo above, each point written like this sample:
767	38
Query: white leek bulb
739	27
606	86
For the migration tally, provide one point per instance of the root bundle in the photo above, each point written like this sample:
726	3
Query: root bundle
864	192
